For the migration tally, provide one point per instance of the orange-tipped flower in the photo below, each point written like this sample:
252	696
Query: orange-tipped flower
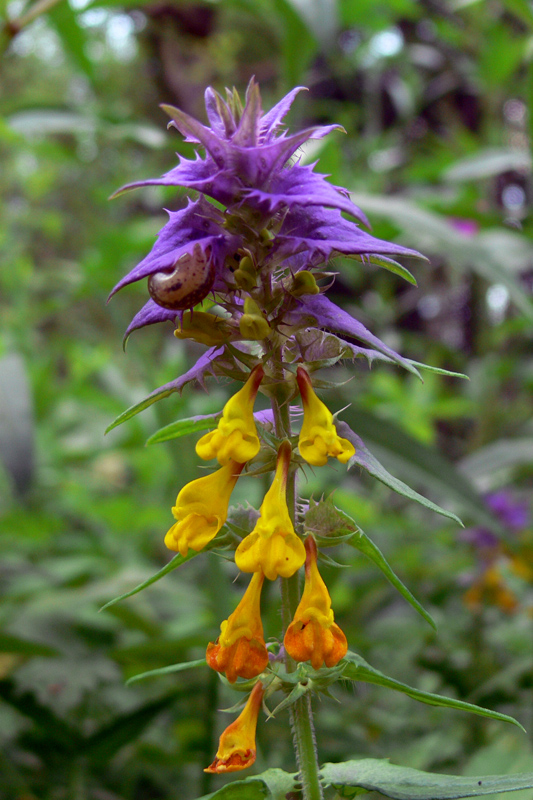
273	547
201	509
318	436
236	435
313	634
236	747
240	649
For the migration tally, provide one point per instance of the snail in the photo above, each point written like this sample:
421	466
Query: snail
187	283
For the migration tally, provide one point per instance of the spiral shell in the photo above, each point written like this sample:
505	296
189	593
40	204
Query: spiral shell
187	283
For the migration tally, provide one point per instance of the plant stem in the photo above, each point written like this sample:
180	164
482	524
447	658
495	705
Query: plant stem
301	713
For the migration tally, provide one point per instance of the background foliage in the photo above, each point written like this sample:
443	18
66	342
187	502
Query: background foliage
434	96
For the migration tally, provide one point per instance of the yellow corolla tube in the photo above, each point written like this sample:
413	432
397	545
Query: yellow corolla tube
273	547
235	438
318	436
236	746
201	509
240	650
313	634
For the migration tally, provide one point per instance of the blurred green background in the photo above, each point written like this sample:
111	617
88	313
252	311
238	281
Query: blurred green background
435	97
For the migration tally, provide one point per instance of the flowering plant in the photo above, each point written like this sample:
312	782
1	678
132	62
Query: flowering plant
261	253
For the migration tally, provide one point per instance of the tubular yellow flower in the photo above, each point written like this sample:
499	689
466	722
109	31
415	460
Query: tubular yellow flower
318	436
313	634
236	746
201	509
273	547
240	649
236	435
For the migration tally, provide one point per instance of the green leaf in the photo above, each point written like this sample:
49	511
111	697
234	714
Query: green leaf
364	458
487	163
404	783
274	784
73	37
123	730
173	564
357	669
152	673
365	545
138	407
422	464
390	265
438	370
183	427
12	644
489	253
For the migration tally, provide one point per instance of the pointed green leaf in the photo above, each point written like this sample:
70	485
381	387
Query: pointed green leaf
404	783
390	265
357	669
438	370
183	427
138	407
365	545
298	691
173	564
422	464
274	784
364	458
201	662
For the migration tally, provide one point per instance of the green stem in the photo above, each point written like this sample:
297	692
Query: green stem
301	713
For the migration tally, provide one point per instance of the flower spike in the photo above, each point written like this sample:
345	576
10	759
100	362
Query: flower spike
236	747
201	509
240	650
273	546
313	634
318	436
235	438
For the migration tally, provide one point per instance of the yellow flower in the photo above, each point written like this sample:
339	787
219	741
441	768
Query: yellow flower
318	436
201	509
240	649
273	547
313	634
235	438
236	746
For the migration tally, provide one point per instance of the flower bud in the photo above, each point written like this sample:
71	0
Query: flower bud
253	324
304	283
204	328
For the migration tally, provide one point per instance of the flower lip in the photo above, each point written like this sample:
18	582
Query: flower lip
201	509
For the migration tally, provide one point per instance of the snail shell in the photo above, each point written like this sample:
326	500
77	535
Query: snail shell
187	283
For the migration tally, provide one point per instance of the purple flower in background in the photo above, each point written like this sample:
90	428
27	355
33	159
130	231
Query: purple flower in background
512	513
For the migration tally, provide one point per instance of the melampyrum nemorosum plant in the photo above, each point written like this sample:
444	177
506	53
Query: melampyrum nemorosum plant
261	255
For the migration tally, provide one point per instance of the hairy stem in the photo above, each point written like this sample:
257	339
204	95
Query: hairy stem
301	713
